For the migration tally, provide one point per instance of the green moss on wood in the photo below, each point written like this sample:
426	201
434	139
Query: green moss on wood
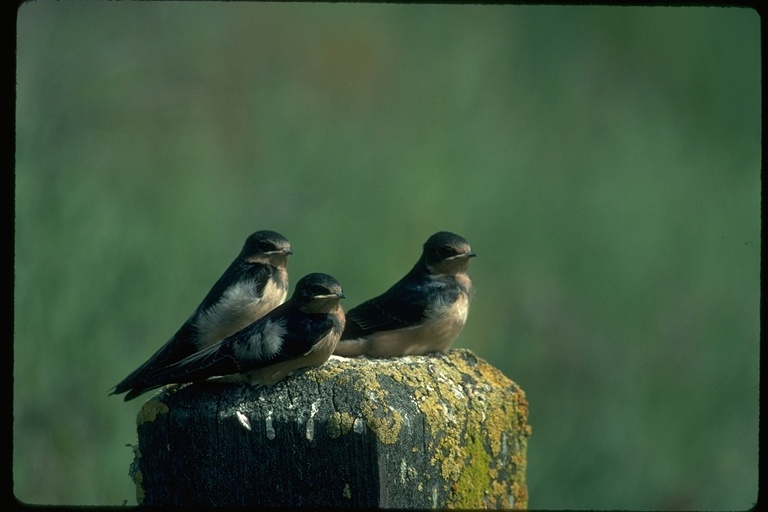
471	488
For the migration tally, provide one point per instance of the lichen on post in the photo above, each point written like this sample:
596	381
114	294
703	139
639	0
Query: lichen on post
446	430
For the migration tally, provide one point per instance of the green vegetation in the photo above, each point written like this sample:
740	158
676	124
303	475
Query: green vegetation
604	163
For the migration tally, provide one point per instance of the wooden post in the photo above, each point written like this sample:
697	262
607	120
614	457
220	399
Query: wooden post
431	431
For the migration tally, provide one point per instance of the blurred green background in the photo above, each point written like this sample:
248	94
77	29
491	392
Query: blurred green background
604	163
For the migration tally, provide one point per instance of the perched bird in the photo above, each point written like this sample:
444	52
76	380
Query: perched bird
300	333
255	283
423	312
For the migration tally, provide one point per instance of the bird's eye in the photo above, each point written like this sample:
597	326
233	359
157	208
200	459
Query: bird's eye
265	246
317	290
445	251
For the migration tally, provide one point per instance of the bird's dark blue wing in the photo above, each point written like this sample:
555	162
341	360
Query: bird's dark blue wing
181	345
283	334
407	303
185	342
304	330
215	360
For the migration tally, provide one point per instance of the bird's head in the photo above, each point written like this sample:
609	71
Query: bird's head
318	293
267	247
446	253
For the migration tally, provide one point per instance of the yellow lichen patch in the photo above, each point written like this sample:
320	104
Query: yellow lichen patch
151	409
497	425
501	495
483	404
328	371
519	495
384	421
136	475
448	450
490	374
139	489
387	429
339	423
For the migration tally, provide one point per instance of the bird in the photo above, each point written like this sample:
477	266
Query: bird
421	313
254	283
300	333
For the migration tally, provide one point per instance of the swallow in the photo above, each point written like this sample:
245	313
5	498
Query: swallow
421	313
300	333
254	283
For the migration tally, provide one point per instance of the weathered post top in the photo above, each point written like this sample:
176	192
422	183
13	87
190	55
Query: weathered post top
410	432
